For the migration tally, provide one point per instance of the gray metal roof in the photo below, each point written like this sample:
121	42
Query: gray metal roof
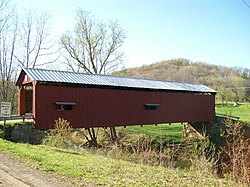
116	81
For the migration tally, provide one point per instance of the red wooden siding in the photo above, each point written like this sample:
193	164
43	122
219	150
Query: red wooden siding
111	107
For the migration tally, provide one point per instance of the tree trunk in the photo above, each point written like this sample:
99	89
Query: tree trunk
113	134
93	139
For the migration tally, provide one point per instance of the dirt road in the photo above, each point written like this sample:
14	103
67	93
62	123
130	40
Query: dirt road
8	180
14	172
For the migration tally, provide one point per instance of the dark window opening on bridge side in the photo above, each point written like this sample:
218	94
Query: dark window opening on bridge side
151	106
60	106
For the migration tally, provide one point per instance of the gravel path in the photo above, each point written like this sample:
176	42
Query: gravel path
14	172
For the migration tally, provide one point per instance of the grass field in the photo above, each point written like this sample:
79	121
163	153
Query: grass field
102	171
163	132
242	110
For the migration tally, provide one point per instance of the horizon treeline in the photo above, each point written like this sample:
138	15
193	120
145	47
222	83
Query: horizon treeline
231	83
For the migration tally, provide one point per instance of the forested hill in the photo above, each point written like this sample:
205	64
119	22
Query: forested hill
231	83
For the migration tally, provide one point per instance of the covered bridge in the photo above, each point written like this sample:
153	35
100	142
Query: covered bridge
89	100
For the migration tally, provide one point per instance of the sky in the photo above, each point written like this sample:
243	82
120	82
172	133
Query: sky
210	31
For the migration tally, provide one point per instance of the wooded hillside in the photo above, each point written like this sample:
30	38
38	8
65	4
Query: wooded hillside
230	83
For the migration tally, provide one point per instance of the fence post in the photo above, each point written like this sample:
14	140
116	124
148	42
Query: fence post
23	118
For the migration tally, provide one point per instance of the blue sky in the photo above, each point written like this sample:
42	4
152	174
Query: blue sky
212	31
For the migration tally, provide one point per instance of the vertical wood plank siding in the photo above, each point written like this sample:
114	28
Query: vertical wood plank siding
109	107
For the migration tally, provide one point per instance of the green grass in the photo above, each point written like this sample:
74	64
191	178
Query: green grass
11	124
104	171
163	132
242	111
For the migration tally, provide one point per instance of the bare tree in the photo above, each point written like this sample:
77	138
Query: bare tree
94	46
35	40
8	40
22	43
5	13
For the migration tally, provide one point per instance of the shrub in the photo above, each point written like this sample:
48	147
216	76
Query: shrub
205	156
60	136
236	153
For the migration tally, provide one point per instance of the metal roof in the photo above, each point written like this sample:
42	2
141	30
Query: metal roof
116	81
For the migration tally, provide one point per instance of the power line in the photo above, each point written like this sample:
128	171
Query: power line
246	3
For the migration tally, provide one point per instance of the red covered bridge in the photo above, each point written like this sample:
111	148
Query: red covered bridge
88	100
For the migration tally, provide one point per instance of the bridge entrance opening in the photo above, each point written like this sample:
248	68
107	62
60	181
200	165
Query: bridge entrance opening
28	99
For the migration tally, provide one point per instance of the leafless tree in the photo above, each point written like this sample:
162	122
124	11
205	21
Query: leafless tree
4	15
93	46
23	41
35	40
8	40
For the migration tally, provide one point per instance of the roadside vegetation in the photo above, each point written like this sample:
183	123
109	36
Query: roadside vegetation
104	171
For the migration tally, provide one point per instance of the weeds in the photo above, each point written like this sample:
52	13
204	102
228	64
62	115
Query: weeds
152	152
236	154
203	160
62	127
60	136
91	170
145	150
205	157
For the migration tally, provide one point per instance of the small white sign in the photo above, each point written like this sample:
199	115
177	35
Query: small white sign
5	109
